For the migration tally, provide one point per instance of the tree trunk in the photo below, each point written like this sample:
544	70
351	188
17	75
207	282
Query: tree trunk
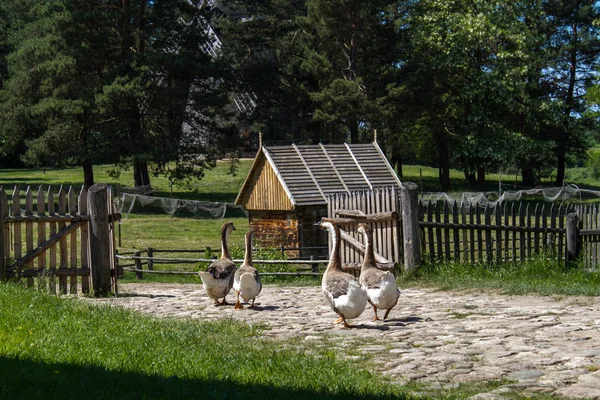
141	177
396	162
528	176
469	176
569	105
88	174
560	167
481	177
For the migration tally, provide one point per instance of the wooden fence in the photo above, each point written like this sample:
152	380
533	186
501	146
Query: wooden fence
387	233
589	234
507	232
46	237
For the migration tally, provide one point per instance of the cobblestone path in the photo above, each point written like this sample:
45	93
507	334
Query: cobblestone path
537	344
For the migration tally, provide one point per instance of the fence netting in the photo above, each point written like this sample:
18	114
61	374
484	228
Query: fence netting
568	193
128	203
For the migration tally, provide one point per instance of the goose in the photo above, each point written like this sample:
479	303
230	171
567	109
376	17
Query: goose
381	285
246	282
343	291
217	279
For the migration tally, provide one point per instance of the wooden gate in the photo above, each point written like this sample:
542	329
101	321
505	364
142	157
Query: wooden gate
380	209
47	237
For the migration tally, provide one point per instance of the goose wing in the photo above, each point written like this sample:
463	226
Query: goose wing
337	285
222	269
372	278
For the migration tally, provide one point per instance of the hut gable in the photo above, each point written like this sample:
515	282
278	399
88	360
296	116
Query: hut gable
267	192
307	174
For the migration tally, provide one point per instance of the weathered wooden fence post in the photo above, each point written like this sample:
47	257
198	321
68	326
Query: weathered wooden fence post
3	215
572	238
138	265
99	239
410	226
150	261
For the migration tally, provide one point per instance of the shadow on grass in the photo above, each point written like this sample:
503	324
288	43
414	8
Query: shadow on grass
35	380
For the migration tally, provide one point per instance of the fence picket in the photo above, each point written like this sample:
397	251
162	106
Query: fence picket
446	231
73	237
16	211
465	243
29	230
430	239
513	218
62	243
82	203
498	216
479	234
561	225
472	232
455	233
488	234
41	210
51	212
438	231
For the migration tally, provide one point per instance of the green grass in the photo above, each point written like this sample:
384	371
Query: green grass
544	277
54	348
216	185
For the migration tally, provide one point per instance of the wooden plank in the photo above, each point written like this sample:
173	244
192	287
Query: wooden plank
487	215
16	210
551	236
536	235
82	202
472	232
29	230
522	236
41	225
465	243
4	235
446	231
395	228
51	212
513	213
430	239
62	243
438	231
479	235
561	225
529	246
544	233
73	240
388	225
499	216
506	221
455	236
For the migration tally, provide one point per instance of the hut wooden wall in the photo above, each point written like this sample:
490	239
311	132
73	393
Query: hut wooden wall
273	229
265	191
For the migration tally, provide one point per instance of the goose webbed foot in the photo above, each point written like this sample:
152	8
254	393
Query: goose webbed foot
375	318
388	310
238	304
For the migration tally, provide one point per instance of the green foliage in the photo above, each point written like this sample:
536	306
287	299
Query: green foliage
593	162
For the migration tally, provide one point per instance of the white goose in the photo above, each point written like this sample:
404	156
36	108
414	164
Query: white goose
217	279
246	282
381	285
343	291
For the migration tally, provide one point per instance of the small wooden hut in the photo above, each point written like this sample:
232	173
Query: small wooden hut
287	188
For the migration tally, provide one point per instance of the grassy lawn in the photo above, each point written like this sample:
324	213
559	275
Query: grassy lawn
56	348
544	277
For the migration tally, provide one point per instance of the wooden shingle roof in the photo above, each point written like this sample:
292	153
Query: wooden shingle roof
308	173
